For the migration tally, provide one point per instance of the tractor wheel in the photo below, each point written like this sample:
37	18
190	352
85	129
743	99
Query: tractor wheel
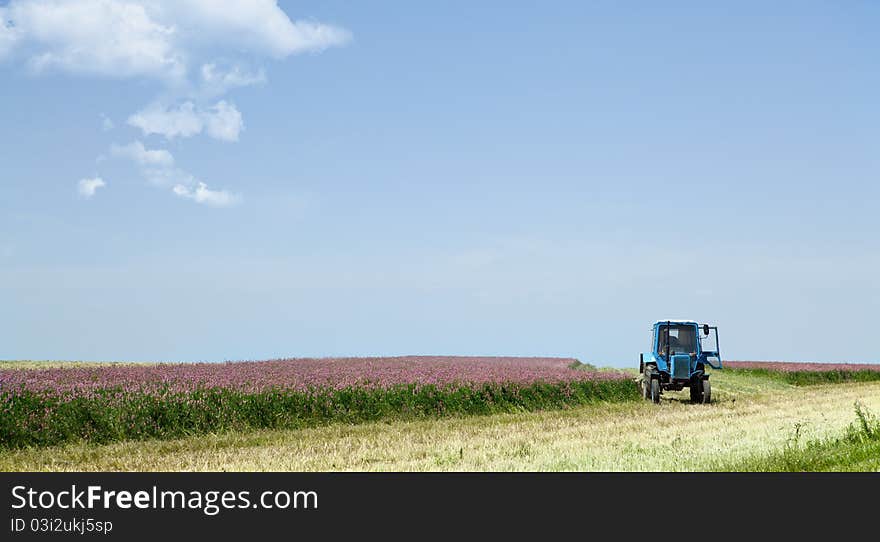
696	391
655	390
707	392
646	384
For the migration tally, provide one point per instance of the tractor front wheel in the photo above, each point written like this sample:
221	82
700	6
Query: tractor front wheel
696	390
707	392
655	390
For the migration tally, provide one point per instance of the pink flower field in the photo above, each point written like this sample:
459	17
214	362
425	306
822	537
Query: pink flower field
106	403
303	374
788	367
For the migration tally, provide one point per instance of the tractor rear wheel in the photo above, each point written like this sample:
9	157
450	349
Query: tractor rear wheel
655	390
707	392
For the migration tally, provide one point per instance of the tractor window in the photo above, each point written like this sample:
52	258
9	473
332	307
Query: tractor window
682	339
709	343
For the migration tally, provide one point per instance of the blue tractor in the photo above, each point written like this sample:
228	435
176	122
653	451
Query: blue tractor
680	352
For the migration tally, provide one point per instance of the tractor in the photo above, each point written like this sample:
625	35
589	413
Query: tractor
680	352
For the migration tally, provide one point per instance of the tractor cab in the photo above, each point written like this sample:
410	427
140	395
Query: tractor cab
680	352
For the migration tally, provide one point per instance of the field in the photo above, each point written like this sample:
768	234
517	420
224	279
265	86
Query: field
761	419
805	374
106	403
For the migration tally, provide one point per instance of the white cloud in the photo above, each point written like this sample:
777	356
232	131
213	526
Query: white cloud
195	48
259	26
8	33
186	186
168	177
88	187
137	153
106	123
182	121
222	121
217	79
114	38
153	38
202	194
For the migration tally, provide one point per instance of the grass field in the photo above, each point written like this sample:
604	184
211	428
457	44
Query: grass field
755	423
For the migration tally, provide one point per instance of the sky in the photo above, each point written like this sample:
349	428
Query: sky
204	181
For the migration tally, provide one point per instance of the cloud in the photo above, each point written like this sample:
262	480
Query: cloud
202	194
258	26
222	121
88	187
217	79
8	33
182	121
112	38
197	49
106	123
153	38
137	153
186	186
166	177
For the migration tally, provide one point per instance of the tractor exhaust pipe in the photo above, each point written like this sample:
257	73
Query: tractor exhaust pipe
668	323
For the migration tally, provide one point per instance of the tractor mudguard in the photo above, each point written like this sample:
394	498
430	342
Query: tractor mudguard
656	360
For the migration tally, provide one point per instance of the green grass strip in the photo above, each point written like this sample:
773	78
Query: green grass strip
33	419
811	378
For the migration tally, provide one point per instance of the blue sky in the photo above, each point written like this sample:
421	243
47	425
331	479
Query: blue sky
188	181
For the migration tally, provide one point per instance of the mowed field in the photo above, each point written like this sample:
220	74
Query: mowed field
759	420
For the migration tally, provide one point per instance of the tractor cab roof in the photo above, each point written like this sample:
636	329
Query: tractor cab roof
675	321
